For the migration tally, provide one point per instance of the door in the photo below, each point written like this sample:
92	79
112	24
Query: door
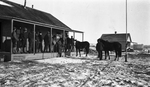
0	36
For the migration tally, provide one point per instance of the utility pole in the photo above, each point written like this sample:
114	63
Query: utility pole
126	54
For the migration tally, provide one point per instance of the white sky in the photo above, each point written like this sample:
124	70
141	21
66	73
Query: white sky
97	17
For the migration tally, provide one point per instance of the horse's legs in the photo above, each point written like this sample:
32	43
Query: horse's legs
98	54
87	51
108	55
105	55
101	55
79	53
76	52
117	56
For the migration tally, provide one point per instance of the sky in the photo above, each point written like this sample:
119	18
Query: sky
97	17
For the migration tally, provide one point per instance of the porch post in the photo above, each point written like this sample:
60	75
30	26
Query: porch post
82	36
74	35
64	41
34	40
12	25
64	36
51	40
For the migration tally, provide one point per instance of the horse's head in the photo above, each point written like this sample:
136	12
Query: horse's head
100	40
103	42
76	41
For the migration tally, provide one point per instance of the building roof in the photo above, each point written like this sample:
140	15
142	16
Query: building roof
117	37
16	11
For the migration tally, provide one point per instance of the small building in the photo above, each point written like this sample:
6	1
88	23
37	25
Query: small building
20	17
138	47
118	37
147	48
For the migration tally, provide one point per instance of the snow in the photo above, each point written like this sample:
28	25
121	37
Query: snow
77	72
61	60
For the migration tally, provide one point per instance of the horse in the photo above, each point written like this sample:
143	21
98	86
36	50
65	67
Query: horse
112	46
82	45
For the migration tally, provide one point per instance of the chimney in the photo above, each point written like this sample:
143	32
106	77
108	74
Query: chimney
25	4
32	6
115	32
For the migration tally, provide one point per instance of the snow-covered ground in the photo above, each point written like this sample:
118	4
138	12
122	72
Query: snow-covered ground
64	60
77	72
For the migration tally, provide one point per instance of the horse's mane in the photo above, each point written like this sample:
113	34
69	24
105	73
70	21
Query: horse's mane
76	41
102	40
81	41
106	41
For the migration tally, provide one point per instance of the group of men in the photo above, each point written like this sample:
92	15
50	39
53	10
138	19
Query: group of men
23	41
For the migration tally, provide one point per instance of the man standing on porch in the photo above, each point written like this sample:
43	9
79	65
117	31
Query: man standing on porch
72	44
25	37
40	42
31	41
47	39
14	40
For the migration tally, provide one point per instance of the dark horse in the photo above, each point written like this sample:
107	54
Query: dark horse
82	45
112	46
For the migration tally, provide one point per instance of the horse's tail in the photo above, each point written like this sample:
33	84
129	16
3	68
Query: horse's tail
120	51
87	48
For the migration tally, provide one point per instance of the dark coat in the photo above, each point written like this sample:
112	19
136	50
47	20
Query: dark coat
59	46
99	46
15	38
40	38
25	36
47	39
31	36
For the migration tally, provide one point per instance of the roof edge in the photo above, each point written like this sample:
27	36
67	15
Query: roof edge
116	33
77	31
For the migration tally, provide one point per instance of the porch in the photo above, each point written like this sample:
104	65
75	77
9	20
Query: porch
37	56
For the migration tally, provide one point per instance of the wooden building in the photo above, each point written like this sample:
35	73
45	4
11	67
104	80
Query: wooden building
13	15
